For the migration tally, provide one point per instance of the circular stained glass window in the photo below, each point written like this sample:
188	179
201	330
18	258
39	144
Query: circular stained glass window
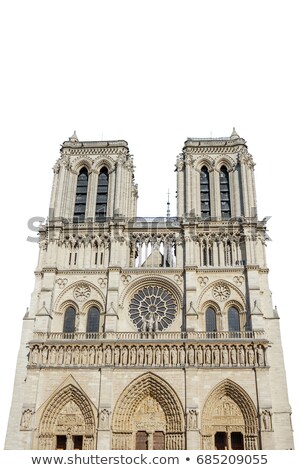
152	309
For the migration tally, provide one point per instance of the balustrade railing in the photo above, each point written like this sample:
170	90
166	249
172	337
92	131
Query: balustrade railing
158	335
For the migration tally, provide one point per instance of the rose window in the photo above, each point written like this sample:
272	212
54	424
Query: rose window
152	309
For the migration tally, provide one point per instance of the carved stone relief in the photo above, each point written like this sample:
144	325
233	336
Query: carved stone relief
82	292
26	419
171	355
221	292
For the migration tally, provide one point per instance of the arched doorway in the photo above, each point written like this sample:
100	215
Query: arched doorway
148	415
67	421
229	419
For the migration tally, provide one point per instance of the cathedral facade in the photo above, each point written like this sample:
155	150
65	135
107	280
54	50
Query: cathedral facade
151	333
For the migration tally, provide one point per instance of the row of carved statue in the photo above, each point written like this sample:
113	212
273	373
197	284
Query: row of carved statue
149	355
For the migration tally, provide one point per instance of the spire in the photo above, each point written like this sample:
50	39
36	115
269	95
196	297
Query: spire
74	137
168	205
234	135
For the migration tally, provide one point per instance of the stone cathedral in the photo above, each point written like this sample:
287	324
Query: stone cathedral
151	333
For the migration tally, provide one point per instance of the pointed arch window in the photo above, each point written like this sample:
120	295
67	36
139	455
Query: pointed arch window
225	193
69	320
204	193
210	320
233	319
102	195
93	320
81	195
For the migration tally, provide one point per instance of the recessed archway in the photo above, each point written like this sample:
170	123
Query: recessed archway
229	419
148	415
67	421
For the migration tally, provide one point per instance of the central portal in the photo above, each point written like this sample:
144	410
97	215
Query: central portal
149	425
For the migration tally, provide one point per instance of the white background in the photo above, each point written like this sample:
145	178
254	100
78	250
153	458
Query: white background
152	73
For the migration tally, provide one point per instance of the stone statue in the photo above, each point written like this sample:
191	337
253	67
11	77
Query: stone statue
174	356
191	355
35	355
157	356
44	355
100	356
260	356
84	356
216	356
149	355
192	419
117	356
60	359
141	355
108	355
207	355
182	355
166	356
199	356
242	356
76	356
224	355
233	355
124	356
133	356
92	356
251	356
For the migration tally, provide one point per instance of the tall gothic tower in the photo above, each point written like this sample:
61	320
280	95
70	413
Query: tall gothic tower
151	333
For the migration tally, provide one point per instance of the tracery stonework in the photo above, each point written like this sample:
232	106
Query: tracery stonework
221	292
152	308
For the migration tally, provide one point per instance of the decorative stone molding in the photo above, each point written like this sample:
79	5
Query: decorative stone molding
82	292
104	415
61	282
203	280
166	356
239	280
178	279
102	281
221	292
26	419
126	278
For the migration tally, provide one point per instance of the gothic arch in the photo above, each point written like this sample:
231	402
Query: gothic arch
82	162
206	161
146	386
60	301
235	294
242	417
104	162
147	280
67	412
225	160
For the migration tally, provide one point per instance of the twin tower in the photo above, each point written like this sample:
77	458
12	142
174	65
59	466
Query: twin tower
151	333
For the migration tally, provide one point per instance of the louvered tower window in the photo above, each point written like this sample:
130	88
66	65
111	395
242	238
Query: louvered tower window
225	193
81	195
102	195
204	193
